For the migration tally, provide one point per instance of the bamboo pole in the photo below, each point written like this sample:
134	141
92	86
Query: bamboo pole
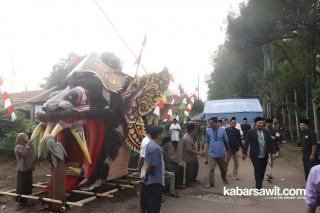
87	200
48	200
127	181
105	194
90	193
39	186
121	185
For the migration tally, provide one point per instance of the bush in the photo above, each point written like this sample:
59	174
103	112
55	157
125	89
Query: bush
9	129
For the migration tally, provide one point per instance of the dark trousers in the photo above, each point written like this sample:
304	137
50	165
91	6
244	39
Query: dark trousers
259	165
307	165
24	184
150	198
178	171
175	145
192	169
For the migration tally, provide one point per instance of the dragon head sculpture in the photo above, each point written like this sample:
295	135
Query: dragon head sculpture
97	117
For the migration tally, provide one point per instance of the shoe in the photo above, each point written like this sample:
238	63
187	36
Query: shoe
235	178
98	183
206	162
174	195
210	186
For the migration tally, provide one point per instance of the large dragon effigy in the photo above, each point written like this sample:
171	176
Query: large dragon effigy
97	115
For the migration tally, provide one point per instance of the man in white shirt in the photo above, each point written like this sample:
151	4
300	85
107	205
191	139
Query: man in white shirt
175	132
238	125
143	147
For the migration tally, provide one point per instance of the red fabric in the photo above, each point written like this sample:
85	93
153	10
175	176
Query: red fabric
160	104
9	110
5	96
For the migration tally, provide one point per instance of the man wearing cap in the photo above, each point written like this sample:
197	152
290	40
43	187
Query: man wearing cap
217	146
245	127
309	146
259	140
235	141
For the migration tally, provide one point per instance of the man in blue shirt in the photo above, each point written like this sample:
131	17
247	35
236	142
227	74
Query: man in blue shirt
217	146
152	173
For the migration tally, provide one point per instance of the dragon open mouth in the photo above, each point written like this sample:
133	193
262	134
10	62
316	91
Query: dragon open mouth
81	134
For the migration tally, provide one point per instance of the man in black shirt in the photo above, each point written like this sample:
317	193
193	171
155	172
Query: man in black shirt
245	127
235	144
309	150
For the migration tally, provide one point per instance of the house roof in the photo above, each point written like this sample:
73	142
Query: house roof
19	100
41	97
232	106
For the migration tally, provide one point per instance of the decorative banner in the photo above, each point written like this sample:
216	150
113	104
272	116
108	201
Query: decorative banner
191	100
8	106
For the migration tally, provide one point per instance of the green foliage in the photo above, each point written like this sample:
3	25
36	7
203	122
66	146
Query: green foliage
272	49
61	70
9	129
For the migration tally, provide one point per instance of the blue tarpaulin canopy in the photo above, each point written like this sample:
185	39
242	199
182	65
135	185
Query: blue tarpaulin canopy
228	108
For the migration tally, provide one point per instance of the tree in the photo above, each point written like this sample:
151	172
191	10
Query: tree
272	51
61	70
112	61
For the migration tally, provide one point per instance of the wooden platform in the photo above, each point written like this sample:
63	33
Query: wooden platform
77	197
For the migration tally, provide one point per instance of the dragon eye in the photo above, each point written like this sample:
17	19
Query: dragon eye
73	97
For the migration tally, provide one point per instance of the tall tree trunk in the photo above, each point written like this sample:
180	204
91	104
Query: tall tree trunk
296	113
289	119
307	98
283	112
315	117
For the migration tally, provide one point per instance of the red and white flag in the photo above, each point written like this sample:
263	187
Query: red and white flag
8	106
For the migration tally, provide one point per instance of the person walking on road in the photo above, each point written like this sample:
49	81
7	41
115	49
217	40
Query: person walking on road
235	144
245	127
272	131
217	146
312	198
152	173
175	130
309	144
259	140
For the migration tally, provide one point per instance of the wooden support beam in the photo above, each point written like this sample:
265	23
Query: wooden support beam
47	200
123	186
132	182
132	170
39	186
38	193
90	193
12	190
105	194
87	200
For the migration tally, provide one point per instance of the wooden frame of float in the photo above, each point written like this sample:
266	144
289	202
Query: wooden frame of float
127	182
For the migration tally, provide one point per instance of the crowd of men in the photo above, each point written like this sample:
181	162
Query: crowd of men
220	142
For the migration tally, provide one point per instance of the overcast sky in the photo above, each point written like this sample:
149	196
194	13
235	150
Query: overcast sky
181	35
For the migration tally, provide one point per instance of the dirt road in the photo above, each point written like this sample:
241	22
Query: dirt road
196	199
